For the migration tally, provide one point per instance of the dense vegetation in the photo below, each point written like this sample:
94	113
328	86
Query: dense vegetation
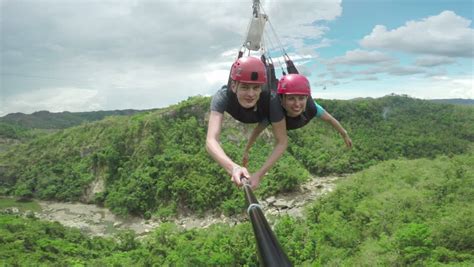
49	120
161	153
397	213
381	129
400	212
457	101
153	163
9	130
19	127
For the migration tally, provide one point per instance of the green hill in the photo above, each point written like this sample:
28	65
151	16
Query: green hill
396	213
456	101
60	120
20	127
155	162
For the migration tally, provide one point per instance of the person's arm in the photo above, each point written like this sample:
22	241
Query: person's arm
253	137
281	142
336	125
215	150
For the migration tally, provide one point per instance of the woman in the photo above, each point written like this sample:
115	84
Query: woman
299	108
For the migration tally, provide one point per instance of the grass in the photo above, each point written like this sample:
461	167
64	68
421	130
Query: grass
21	205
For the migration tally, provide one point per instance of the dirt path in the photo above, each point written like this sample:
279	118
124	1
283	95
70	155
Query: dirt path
101	222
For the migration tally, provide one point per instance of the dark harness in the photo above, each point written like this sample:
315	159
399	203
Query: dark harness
304	118
249	115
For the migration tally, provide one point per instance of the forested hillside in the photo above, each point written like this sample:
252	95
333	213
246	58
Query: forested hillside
154	163
60	120
397	213
457	101
384	128
19	128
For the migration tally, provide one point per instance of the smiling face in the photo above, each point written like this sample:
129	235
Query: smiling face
247	94
294	104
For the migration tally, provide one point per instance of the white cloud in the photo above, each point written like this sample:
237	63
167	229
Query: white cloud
332	93
345	74
55	100
136	53
370	74
286	16
325	83
439	87
373	70
433	61
404	70
361	57
446	34
367	78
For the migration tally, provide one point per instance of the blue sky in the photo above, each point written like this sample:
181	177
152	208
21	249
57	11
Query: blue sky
117	54
359	18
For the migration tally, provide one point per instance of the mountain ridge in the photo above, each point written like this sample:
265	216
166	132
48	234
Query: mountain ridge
24	119
59	120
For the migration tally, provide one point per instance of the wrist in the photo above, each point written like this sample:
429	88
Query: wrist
236	168
258	175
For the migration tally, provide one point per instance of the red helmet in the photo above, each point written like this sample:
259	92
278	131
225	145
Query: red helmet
294	84
249	70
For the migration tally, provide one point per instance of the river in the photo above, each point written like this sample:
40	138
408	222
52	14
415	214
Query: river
98	221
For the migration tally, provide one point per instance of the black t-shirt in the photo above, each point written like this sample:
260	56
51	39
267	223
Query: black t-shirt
305	117
268	106
312	110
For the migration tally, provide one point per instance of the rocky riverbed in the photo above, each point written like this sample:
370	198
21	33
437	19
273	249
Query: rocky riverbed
101	222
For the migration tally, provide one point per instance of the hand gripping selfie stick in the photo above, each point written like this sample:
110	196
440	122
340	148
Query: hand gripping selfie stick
270	251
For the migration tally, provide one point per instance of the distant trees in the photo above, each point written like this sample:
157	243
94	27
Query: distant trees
8	130
381	129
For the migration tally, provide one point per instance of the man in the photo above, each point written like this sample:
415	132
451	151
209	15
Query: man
246	102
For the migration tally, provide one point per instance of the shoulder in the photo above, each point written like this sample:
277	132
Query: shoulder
275	99
319	109
276	110
220	100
